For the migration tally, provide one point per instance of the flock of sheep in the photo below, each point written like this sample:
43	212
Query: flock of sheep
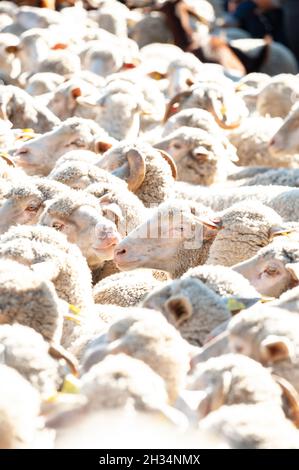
149	237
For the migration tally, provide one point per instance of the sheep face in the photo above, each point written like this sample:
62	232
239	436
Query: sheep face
270	272
39	155
286	139
24	210
95	235
270	336
191	307
158	242
195	153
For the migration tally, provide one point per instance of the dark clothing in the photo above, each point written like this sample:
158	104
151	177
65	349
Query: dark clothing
290	10
258	24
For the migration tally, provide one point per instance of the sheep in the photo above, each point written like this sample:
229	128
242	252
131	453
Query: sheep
57	260
273	270
249	86
19	410
251	427
121	378
125	291
282	199
279	177
252	140
39	155
9	64
181	71
26	351
43	82
24	201
176	237
149	173
285	140
117	109
223	281
233	379
270	336
78	215
63	100
225	106
29	300
61	62
199	156
102	61
146	335
80	175
277	97
246	227
112	16
23	111
193	308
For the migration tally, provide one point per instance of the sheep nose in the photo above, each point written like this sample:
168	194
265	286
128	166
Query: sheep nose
107	235
119	253
272	142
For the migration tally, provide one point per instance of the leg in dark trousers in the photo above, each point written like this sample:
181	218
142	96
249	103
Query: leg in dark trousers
291	24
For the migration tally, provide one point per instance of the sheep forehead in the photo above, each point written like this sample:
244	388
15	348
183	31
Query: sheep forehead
24	191
64	206
285	251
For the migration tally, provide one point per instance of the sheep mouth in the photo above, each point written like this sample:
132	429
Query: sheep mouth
127	265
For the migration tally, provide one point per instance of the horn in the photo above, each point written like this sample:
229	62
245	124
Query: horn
176	99
291	397
168	158
137	169
7	159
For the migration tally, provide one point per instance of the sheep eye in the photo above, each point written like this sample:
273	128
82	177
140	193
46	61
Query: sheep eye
271	270
58	226
32	208
177	146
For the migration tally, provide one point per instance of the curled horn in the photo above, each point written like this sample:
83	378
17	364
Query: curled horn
175	100
291	398
136	163
168	158
219	119
7	159
58	352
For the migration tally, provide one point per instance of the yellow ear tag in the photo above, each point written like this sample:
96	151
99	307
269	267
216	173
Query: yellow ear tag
223	110
26	134
265	299
73	314
156	75
234	305
71	384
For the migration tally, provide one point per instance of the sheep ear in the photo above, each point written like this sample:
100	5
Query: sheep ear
45	269
76	92
189	82
210	222
59	46
179	309
277	231
12	49
108	206
276	348
293	269
58	352
291	398
102	146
